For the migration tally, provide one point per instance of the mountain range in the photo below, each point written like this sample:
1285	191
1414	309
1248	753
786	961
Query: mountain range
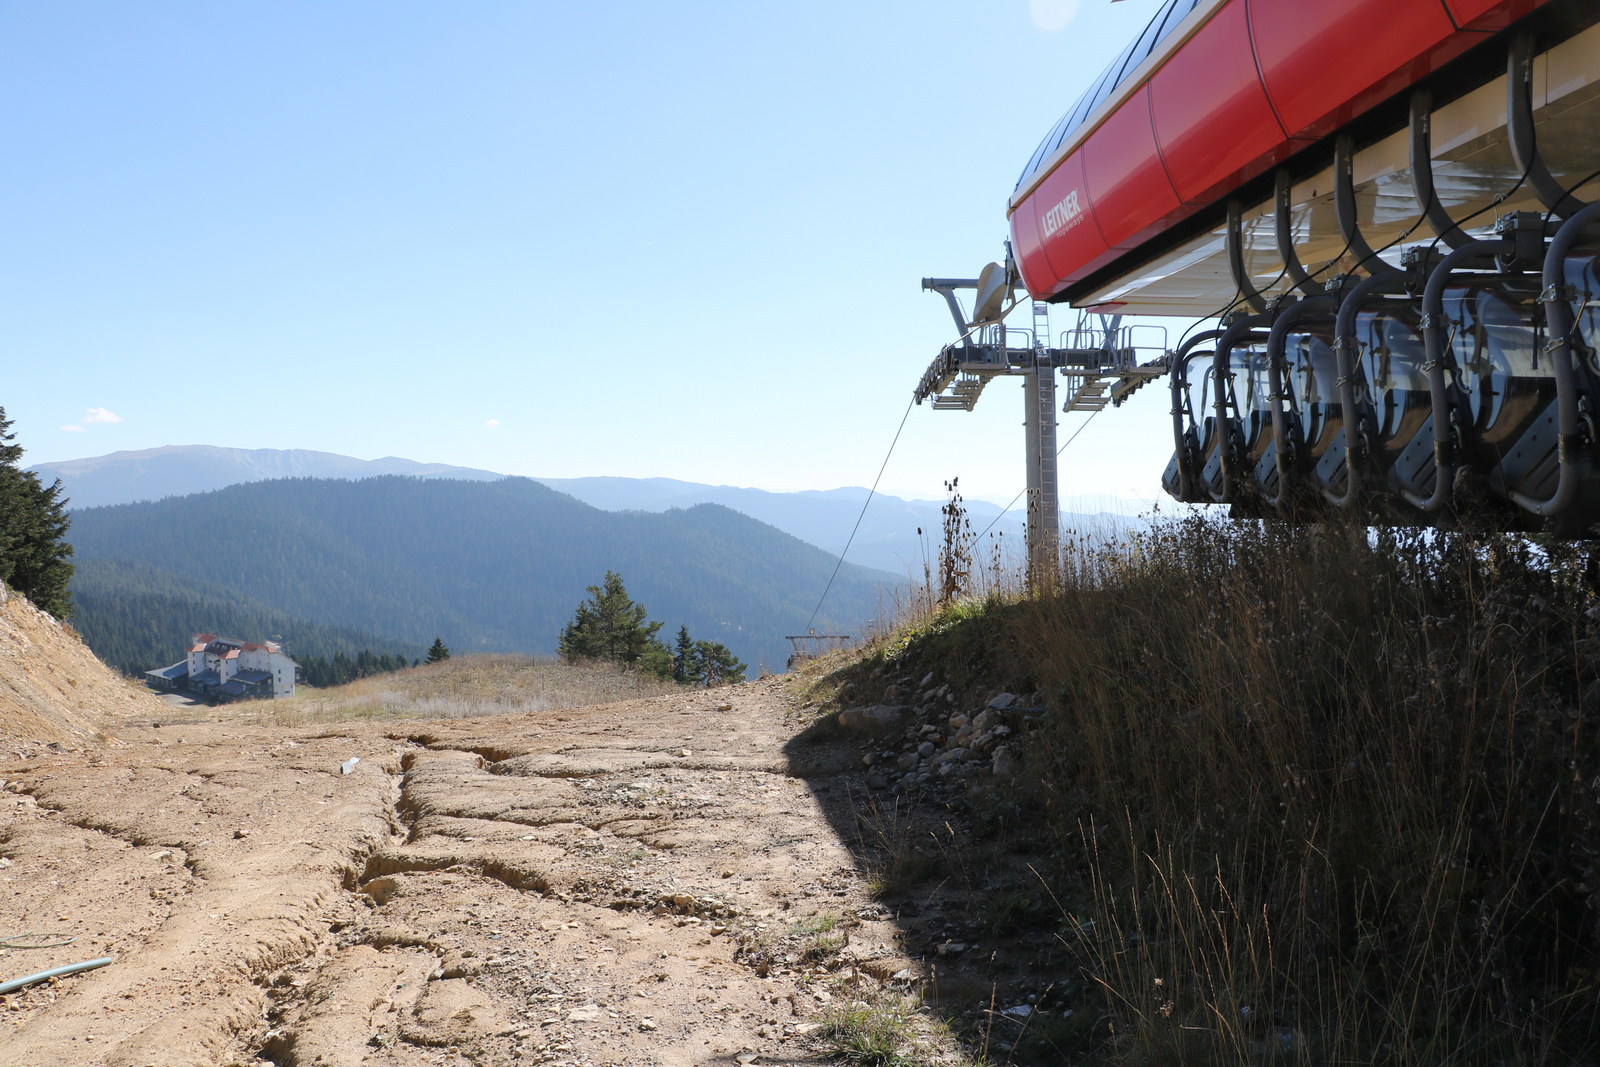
178	470
887	539
496	566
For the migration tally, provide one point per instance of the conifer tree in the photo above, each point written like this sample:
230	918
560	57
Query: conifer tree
609	626
685	670
437	652
34	551
715	665
656	659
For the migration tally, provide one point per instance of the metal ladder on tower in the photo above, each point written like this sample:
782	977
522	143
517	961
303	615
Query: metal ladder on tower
1044	512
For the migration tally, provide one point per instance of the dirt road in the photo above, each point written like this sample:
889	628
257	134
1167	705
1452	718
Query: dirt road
651	882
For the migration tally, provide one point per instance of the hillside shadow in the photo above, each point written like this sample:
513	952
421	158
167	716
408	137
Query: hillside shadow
975	926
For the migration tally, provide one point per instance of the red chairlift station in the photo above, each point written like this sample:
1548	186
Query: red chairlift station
1381	203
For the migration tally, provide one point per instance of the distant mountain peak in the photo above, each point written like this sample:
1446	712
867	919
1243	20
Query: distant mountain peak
180	470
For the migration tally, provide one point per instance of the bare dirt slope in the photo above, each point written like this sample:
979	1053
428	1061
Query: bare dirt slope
647	882
52	688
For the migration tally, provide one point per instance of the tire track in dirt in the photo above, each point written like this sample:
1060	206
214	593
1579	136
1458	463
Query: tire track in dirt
638	883
261	889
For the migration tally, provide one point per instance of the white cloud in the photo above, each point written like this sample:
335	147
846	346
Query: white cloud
493	424
99	415
1052	15
72	429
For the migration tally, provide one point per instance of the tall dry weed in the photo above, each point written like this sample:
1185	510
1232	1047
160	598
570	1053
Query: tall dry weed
1325	795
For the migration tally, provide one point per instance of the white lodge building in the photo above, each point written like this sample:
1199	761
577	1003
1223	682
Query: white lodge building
229	670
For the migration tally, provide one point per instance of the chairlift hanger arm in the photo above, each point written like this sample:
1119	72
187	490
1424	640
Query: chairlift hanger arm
1422	186
1235	244
1520	131
1344	206
1284	224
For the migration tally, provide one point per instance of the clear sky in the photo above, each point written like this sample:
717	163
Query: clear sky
548	239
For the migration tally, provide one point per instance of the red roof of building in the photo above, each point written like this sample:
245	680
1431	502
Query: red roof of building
201	640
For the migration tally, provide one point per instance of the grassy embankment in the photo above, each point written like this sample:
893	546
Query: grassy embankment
461	687
1302	797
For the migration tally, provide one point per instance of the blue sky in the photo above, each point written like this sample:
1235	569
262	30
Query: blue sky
547	239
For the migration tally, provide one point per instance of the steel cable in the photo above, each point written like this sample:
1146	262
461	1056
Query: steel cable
1060	450
864	504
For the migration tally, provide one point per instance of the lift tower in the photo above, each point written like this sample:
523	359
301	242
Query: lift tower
1099	364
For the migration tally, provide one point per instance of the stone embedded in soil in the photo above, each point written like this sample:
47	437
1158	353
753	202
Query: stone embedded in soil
452	1011
872	719
382	890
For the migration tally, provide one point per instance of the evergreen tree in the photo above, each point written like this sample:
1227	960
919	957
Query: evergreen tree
715	665
324	673
34	551
609	626
437	652
684	667
656	659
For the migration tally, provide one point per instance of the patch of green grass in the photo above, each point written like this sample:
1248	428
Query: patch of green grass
902	870
821	936
879	1034
1006	913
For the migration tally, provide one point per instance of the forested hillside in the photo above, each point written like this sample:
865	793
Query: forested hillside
136	617
490	566
887	538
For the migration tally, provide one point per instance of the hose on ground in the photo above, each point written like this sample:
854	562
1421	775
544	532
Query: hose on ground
32	940
54	972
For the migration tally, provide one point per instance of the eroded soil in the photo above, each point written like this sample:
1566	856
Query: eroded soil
652	882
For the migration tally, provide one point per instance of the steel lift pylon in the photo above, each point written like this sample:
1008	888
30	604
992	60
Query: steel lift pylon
1100	366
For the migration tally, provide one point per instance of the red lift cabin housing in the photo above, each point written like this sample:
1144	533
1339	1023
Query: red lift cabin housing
1211	95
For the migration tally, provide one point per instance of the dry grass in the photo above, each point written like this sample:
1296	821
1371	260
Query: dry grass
461	687
883	1030
1335	792
1309	795
897	856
